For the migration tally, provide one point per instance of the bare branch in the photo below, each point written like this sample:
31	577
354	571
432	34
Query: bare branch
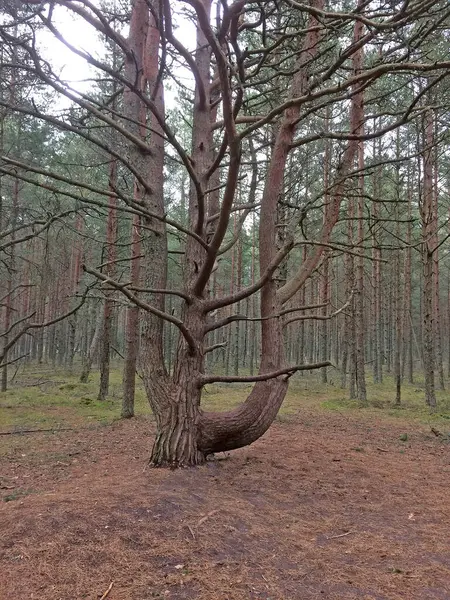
141	304
43	324
215	347
321	317
289	371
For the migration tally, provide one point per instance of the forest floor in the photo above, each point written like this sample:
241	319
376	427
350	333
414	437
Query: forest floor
333	502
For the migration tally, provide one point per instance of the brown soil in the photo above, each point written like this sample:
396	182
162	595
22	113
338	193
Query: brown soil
316	509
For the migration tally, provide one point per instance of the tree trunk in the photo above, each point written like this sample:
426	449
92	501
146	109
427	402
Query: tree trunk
89	358
427	215
376	276
407	327
132	328
108	308
360	324
436	281
176	403
142	67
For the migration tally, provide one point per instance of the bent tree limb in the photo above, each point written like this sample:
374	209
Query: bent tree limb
40	325
263	376
147	307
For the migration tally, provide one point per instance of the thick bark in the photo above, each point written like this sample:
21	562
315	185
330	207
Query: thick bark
135	112
185	433
220	432
176	404
245	424
154	235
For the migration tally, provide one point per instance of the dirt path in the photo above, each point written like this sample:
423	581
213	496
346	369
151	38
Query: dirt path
329	506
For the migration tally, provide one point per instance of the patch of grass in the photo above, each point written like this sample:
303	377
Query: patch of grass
42	399
46	398
17	494
381	401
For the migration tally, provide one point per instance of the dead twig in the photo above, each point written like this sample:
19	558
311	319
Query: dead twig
383	449
40	383
20	431
206	517
107	591
436	432
333	537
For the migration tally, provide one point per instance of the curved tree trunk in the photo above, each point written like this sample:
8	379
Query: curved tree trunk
185	434
219	432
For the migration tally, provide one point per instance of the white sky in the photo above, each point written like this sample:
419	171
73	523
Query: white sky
72	68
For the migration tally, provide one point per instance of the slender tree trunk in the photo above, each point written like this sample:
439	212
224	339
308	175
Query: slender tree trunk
398	332
132	327
427	214
108	307
448	323
145	330
408	334
376	277
359	271
9	289
351	316
89	358
436	282
324	325
398	305
325	279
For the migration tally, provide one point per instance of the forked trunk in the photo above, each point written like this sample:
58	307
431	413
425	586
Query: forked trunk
176	442
176	404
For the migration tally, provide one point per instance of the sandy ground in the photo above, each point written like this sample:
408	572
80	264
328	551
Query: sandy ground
323	506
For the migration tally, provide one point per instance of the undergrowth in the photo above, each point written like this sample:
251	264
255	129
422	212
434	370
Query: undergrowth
42	397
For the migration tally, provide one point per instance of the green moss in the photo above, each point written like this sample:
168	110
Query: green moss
17	494
47	398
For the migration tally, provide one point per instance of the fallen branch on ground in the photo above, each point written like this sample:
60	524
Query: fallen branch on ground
107	591
18	432
334	537
436	432
206	517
